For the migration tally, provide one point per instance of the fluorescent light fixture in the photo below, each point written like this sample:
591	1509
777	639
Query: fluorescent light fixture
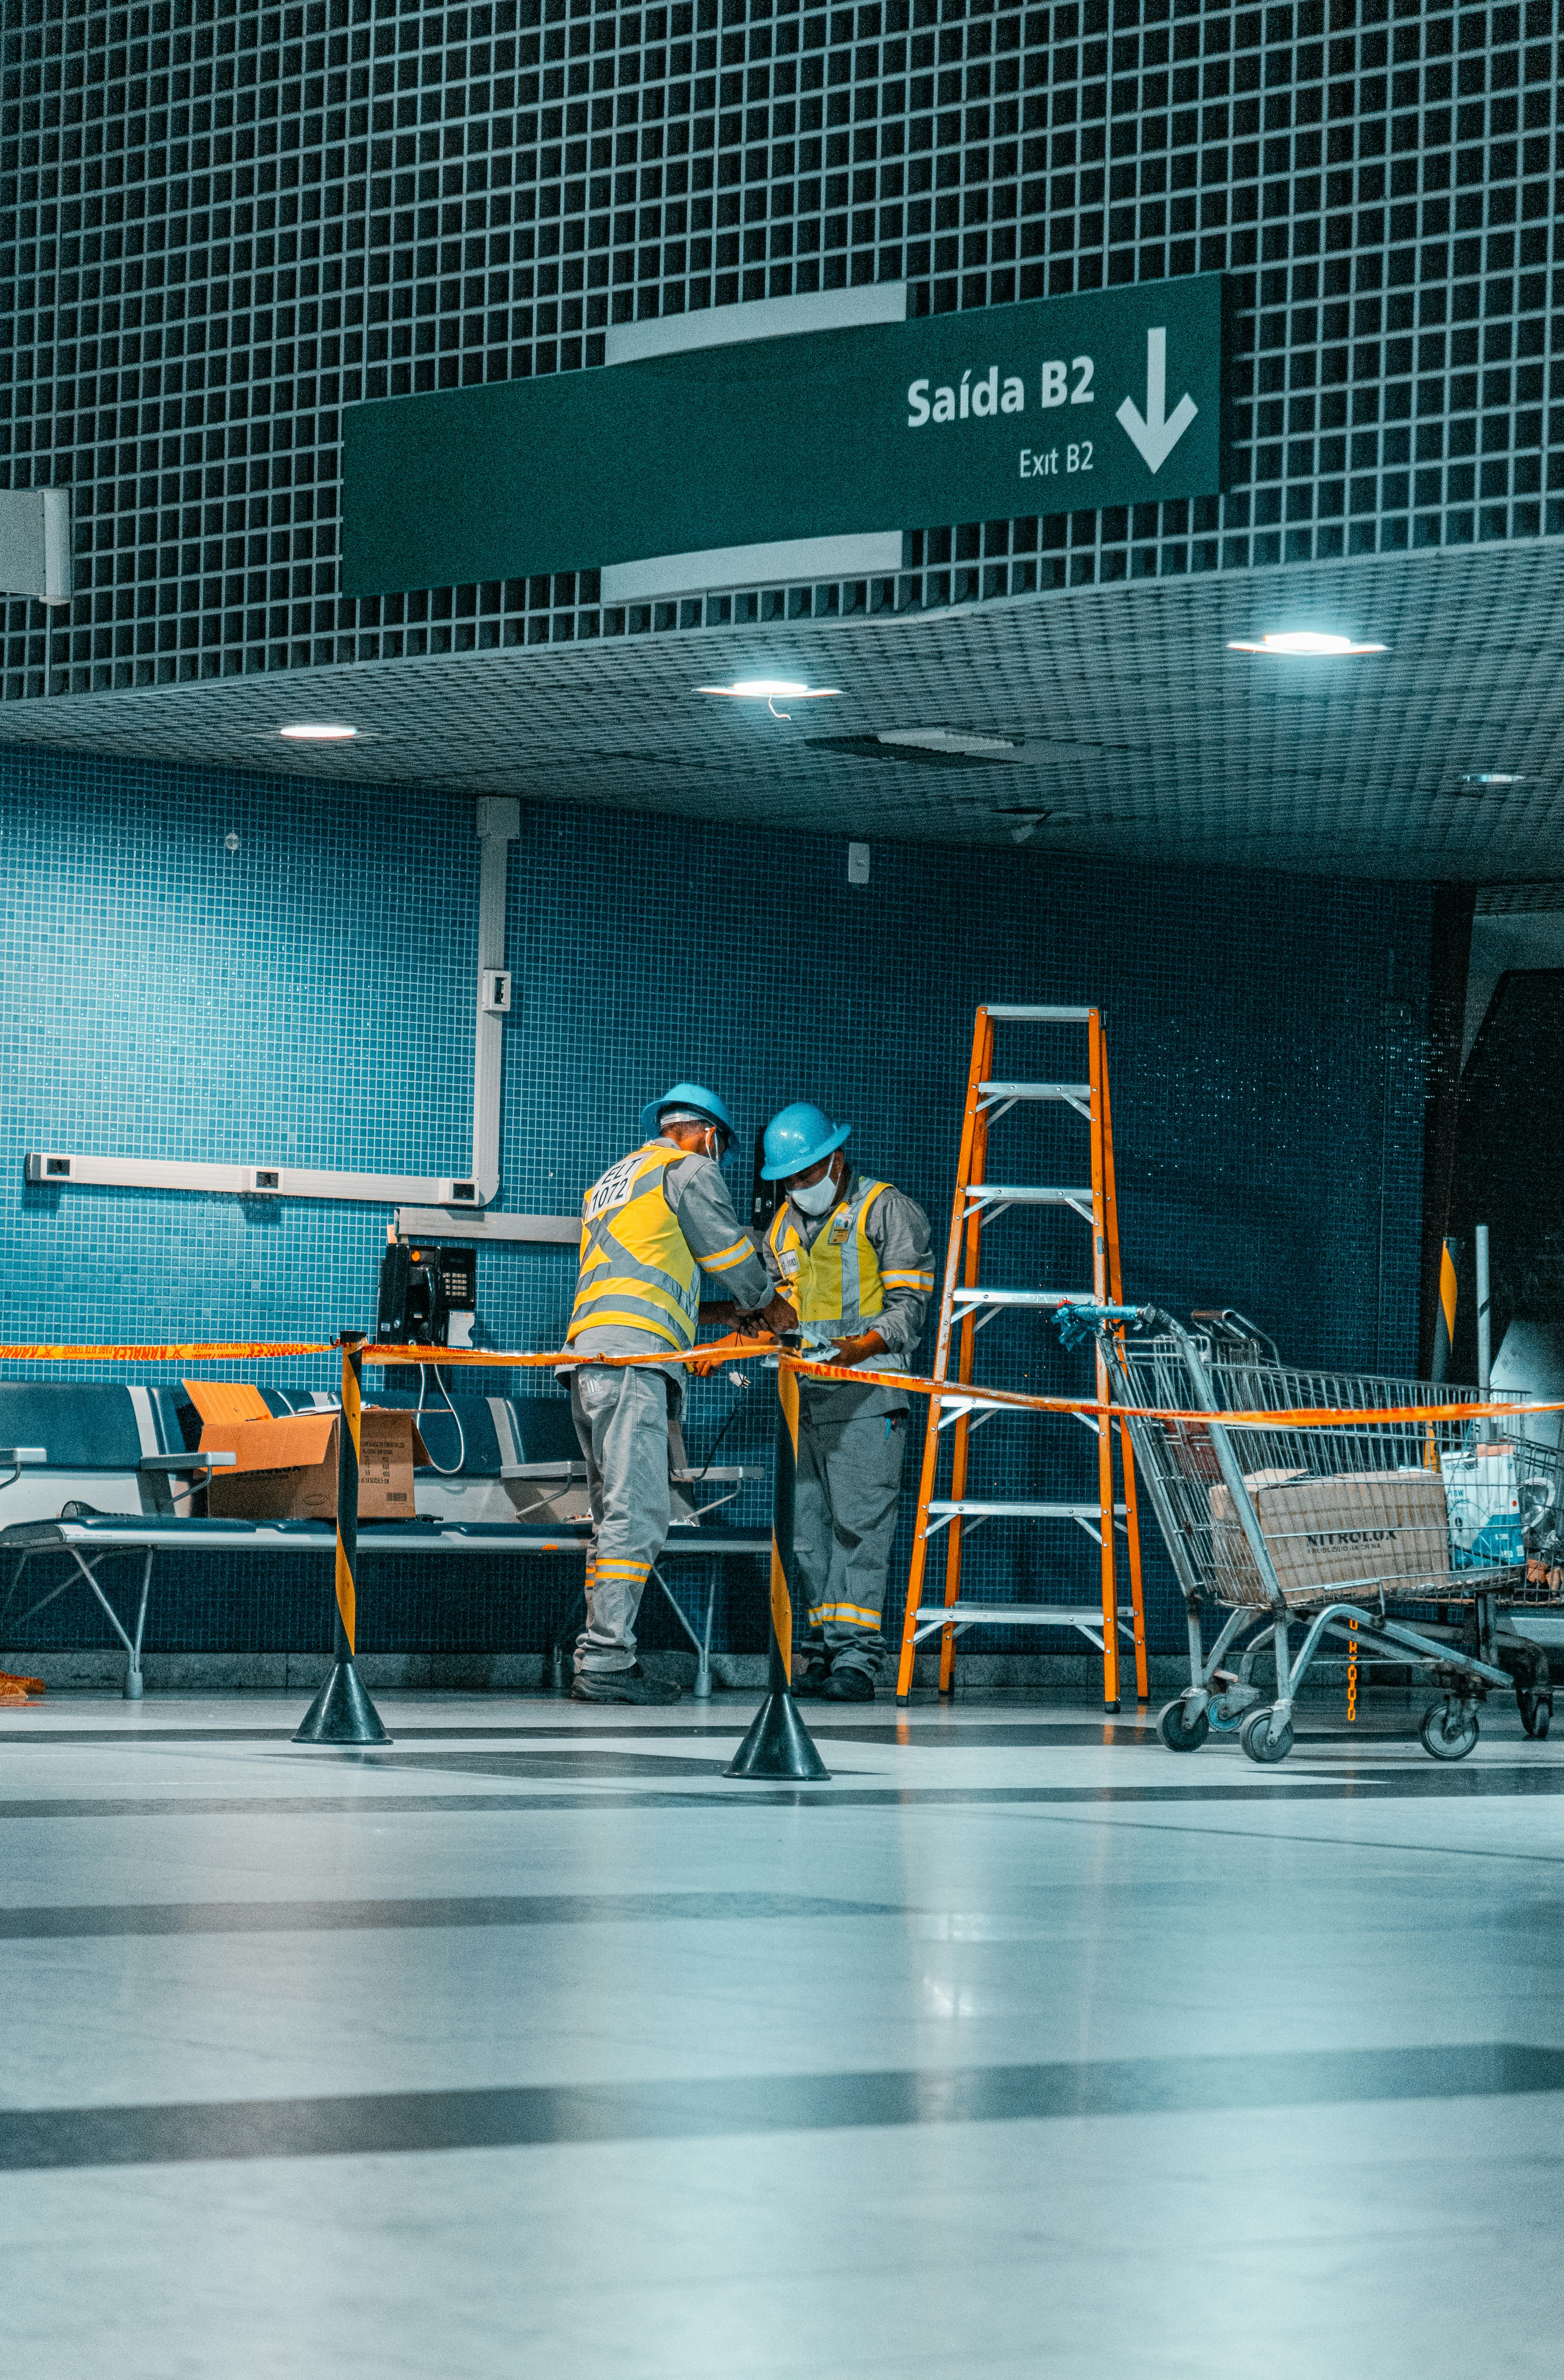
313	732
1307	641
1494	777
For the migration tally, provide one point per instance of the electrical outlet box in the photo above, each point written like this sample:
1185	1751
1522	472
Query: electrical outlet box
42	1166
460	1194
262	1180
857	863
493	991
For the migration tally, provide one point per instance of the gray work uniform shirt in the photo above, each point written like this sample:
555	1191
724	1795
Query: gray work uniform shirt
898	1231
698	1197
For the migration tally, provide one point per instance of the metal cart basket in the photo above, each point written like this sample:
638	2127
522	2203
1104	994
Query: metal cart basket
1342	1527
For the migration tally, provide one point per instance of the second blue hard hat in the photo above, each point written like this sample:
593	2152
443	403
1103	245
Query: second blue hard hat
693	1098
798	1138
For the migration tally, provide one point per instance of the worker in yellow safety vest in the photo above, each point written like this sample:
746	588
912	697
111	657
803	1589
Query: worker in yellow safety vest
853	1254
651	1226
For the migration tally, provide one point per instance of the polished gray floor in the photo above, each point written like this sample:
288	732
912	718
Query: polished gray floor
531	2044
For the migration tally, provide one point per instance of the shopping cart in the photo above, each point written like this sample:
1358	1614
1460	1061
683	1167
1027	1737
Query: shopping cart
1533	1618
1341	1525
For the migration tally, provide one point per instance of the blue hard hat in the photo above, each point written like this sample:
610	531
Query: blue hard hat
686	1095
799	1137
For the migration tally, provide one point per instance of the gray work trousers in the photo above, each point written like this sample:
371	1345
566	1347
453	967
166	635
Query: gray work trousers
623	1420
845	1502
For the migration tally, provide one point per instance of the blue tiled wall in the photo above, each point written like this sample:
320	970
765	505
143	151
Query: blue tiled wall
307	999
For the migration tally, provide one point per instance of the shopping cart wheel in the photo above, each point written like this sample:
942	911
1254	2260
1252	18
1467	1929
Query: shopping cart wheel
1179	1731
1262	1741
1536	1714
1447	1731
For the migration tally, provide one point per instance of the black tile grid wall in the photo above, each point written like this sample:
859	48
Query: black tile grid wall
224	223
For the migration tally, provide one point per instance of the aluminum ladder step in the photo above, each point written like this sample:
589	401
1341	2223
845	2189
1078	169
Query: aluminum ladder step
1018	1615
1042	1016
1023	1297
1009	1508
996	1100
932	1618
1021	1195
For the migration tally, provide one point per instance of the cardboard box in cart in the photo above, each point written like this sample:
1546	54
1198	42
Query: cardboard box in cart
1356	1528
286	1467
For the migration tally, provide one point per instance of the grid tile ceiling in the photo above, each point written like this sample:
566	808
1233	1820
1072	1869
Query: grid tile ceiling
1135	731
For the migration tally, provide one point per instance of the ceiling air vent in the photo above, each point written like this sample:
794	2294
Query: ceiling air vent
956	742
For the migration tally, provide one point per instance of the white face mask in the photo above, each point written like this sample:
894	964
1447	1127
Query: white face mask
815	1197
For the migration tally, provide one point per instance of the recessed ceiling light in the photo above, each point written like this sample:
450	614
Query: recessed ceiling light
313	732
951	739
762	690
1303	640
769	690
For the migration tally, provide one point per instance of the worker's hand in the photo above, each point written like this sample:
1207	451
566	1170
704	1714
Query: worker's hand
719	1310
858	1350
708	1358
772	1320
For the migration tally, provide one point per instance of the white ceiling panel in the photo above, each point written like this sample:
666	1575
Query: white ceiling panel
1133	730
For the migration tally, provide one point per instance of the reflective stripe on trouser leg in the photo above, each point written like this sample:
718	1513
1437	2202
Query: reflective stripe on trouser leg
844	1523
622	1422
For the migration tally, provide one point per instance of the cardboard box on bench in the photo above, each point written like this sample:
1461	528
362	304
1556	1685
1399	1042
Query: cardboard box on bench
286	1467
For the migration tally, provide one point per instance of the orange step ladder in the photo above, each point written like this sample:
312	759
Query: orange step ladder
966	1306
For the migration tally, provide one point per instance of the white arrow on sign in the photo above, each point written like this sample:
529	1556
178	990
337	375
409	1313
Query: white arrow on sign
1159	432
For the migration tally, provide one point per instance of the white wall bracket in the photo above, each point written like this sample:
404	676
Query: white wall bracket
486	1226
62	1170
499	825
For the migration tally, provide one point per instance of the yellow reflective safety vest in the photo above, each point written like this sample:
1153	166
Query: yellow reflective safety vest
637	1269
837	1281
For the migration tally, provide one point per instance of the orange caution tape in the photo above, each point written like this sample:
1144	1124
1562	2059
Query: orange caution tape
1298	1418
728	1351
189	1352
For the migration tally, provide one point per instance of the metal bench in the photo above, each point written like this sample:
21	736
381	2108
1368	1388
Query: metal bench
110	1461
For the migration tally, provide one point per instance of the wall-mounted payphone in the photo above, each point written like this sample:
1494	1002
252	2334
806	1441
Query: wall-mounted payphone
428	1296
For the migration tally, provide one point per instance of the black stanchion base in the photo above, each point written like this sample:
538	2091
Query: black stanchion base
342	1712
779	1744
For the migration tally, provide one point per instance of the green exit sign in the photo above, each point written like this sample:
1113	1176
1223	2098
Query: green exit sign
1066	405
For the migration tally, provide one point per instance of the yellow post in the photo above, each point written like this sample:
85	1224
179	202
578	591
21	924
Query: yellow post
342	1712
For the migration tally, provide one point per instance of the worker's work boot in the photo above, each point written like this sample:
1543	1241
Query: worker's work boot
622	1686
848	1684
810	1685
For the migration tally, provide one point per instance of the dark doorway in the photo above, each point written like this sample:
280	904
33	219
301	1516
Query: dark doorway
1509	1134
